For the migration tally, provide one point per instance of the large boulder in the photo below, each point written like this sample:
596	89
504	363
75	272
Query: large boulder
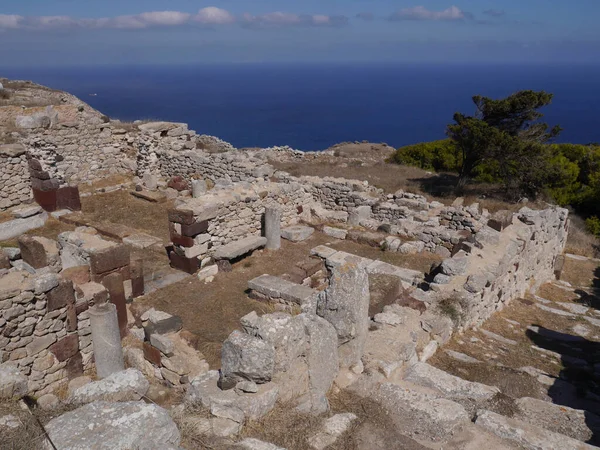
121	386
115	426
13	383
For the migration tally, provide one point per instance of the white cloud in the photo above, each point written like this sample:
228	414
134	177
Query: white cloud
10	21
212	15
280	19
165	18
422	13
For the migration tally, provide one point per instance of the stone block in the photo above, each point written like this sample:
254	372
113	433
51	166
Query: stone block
116	426
152	354
24	213
337	233
137	277
38	252
67	197
500	220
245	357
13	384
46	199
297	233
162	343
77	274
109	259
194	229
61	296
170	324
188	265
4	261
66	347
238	248
116	291
182	216
182	241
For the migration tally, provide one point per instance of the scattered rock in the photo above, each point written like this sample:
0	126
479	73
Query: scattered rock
121	386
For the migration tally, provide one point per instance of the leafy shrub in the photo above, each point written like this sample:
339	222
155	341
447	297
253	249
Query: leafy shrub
593	225
439	156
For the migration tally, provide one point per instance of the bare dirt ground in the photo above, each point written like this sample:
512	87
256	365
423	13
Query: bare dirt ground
547	348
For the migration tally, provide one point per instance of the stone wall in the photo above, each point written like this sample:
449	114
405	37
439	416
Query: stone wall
200	226
15	188
499	266
40	331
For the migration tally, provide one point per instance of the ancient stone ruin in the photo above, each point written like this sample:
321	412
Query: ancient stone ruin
76	328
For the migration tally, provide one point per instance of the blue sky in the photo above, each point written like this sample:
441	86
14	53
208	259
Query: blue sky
87	32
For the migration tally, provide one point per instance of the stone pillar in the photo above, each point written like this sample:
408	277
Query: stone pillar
198	188
273	228
106	339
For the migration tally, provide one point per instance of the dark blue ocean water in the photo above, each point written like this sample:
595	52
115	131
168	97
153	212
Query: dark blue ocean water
311	107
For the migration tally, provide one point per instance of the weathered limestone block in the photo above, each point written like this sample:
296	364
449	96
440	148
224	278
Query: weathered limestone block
420	414
13	384
118	426
525	435
332	429
448	385
345	304
297	233
121	386
244	357
273	228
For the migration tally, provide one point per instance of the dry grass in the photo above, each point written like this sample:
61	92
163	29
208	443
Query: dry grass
580	241
112	180
50	230
121	208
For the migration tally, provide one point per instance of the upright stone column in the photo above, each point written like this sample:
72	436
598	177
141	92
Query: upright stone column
198	188
106	338
273	227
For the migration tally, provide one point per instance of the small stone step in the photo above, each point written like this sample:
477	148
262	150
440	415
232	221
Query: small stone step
526	435
150	196
461	357
448	385
558	312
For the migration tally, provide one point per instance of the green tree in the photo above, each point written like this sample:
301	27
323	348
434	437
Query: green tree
507	133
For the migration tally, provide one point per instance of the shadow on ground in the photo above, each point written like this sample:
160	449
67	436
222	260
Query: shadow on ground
577	385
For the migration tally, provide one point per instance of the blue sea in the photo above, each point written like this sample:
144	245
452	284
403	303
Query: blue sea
311	107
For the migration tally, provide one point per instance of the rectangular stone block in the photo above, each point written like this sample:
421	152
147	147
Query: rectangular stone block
109	259
114	285
137	277
66	347
74	367
195	228
182	216
188	265
152	354
68	198
61	296
45	185
33	252
182	241
71	320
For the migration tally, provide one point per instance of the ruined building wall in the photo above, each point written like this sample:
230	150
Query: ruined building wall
479	281
14	176
200	226
39	329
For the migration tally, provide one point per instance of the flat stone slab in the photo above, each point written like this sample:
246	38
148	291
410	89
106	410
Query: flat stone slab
558	312
27	212
575	423
118	426
239	248
461	357
527	435
331	430
17	227
421	414
297	233
322	251
141	240
497	337
151	196
337	233
448	385
275	287
407	275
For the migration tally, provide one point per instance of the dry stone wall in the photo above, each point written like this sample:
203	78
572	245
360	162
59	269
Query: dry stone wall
14	176
500	266
39	332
